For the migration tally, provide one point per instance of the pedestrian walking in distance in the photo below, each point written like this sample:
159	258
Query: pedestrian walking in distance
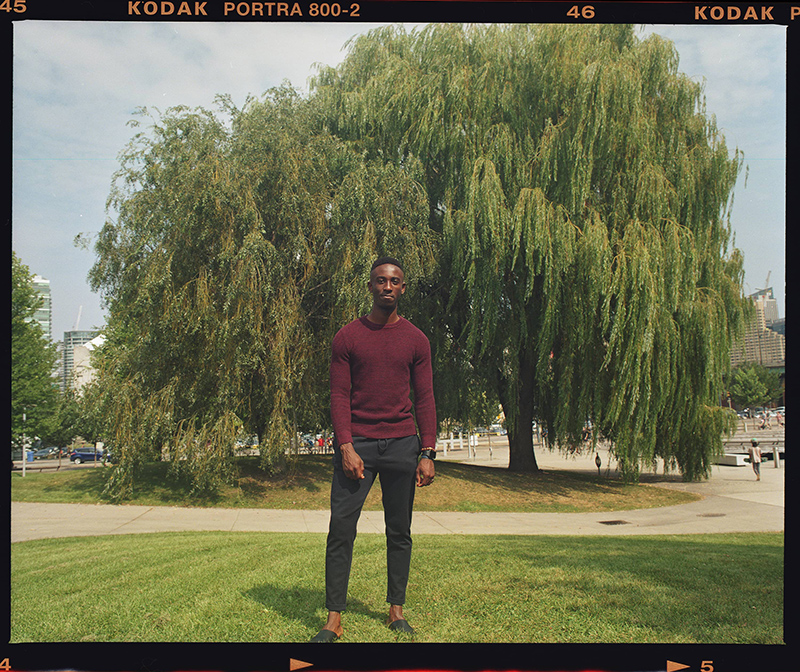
755	458
376	362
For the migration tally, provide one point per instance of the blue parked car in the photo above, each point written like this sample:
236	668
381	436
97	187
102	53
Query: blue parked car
81	455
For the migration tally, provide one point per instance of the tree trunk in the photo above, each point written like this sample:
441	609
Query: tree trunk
520	431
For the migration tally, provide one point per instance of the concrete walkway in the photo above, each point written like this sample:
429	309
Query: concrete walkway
733	501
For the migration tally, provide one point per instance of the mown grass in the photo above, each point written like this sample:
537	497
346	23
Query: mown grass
258	587
458	487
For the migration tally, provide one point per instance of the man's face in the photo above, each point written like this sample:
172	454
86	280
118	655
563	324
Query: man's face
387	286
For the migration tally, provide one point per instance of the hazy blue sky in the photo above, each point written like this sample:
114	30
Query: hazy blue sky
77	84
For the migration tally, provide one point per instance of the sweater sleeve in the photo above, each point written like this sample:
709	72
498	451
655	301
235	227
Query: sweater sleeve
424	403
340	390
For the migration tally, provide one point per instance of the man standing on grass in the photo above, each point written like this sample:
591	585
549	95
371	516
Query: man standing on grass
376	361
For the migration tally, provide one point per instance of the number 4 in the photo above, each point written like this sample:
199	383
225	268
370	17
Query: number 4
5	664
707	666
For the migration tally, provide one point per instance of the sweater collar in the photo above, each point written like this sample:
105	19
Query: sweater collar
372	326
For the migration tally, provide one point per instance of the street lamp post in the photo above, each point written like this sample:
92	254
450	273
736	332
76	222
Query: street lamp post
24	449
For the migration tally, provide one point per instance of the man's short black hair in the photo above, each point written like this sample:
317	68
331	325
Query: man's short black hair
380	261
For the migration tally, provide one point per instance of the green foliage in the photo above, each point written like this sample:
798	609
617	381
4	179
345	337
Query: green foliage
64	423
754	385
33	389
558	195
242	242
582	194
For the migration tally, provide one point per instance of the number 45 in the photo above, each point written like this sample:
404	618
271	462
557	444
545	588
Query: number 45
585	12
19	7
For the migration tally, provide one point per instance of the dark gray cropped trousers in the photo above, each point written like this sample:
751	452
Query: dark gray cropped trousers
394	462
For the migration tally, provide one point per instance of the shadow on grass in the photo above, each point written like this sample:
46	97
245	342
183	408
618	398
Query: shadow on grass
306	484
156	482
301	604
153	482
86	483
555	483
304	471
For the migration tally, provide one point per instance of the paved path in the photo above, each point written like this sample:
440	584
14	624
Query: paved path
733	501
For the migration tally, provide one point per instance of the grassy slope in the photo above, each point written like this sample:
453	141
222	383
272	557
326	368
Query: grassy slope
458	487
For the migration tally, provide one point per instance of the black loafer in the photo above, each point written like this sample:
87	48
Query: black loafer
325	636
401	625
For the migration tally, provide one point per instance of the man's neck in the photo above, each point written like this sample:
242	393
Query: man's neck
380	316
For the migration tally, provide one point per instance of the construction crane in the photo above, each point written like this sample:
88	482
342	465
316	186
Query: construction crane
766	284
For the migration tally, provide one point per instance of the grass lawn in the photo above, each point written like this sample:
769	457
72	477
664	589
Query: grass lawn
458	487
256	587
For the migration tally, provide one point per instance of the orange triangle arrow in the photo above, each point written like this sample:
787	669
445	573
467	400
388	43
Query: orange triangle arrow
298	664
672	667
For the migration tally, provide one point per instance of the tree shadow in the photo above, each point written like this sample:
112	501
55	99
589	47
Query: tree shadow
86	482
306	473
153	482
553	482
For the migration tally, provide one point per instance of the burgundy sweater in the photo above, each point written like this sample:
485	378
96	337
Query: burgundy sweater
373	369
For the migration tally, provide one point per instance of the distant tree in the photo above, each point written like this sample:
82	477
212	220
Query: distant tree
581	193
33	357
63	424
754	385
242	242
746	388
772	380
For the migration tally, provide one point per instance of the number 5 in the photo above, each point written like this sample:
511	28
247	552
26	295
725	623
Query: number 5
707	666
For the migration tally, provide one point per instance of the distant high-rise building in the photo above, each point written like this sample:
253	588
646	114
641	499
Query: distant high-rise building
83	371
766	299
71	340
44	314
778	326
761	344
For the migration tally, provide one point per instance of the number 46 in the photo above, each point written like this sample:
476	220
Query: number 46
585	12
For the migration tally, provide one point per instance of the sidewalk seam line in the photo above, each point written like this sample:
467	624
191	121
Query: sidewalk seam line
132	520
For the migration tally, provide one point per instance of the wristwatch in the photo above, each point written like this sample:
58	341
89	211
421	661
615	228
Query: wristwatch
430	453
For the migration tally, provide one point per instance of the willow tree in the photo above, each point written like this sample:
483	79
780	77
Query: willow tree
582	193
239	242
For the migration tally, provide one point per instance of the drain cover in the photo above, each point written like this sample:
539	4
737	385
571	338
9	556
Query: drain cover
614	522
711	515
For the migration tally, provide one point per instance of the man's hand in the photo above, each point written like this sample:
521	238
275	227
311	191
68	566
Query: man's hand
425	472
352	463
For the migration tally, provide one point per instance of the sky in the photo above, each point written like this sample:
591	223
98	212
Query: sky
77	85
